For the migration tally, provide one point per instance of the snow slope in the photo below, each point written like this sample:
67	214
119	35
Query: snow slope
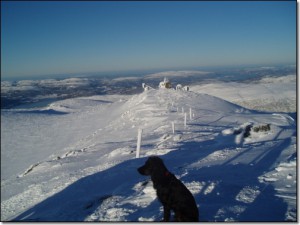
75	159
267	94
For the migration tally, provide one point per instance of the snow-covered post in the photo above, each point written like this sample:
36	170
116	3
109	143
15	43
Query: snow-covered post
138	145
184	120
182	109
190	113
173	127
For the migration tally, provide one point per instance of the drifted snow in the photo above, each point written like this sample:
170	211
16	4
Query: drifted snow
75	160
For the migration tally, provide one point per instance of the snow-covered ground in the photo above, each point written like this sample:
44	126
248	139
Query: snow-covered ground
268	94
74	160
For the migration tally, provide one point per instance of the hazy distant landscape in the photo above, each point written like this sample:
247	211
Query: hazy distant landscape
41	92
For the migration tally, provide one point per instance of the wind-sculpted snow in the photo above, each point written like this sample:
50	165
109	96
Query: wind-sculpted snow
81	165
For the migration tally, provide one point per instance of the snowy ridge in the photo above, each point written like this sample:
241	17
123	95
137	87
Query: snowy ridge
273	94
86	168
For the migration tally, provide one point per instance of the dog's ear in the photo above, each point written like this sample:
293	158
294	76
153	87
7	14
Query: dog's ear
160	179
155	161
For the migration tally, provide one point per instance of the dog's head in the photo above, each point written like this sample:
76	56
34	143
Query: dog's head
151	164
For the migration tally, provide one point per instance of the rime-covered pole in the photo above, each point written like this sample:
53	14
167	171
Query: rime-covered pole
173	127
184	120
138	145
190	113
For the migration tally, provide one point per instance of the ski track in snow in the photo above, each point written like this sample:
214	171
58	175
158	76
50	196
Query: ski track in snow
94	178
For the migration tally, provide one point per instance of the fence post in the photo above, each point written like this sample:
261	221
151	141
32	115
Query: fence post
173	127
184	120
190	113
138	145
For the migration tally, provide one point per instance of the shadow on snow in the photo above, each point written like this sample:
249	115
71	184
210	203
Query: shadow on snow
81	198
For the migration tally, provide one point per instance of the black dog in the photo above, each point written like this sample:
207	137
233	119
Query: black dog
170	191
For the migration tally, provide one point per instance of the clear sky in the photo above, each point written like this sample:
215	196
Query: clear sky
41	38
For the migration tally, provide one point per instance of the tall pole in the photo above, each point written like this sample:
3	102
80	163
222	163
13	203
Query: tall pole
138	145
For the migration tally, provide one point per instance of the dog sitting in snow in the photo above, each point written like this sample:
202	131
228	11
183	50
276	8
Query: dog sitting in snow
170	191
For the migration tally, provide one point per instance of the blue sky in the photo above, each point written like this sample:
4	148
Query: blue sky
42	38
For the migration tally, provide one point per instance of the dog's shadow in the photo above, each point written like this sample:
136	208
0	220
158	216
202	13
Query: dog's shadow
80	199
224	186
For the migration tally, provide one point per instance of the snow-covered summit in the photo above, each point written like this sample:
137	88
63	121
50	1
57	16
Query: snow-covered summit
80	165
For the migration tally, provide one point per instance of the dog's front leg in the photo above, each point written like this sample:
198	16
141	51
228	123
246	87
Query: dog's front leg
167	213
